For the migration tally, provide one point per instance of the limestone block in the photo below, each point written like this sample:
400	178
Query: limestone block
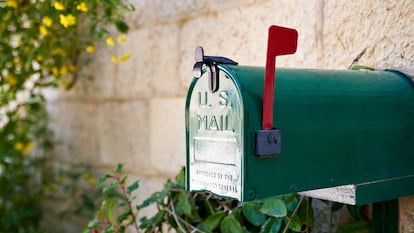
385	28
406	205
123	135
152	69
325	219
220	5
163	11
167	135
74	129
241	34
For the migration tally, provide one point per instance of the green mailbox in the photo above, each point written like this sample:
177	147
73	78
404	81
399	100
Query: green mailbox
345	136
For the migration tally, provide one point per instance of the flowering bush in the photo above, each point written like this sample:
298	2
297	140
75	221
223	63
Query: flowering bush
42	44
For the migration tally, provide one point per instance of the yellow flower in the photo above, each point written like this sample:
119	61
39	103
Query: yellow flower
122	39
64	82
82	7
43	30
71	67
63	70
114	59
110	41
67	20
28	148
90	49
12	4
18	146
11	80
57	51
86	175
125	57
55	71
58	6
39	58
47	21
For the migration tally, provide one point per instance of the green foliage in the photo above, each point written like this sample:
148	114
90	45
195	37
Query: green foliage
206	213
197	212
358	225
116	212
42	45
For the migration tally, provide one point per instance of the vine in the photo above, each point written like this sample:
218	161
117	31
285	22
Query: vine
43	44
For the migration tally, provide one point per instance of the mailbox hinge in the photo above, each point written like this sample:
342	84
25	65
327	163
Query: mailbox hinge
210	62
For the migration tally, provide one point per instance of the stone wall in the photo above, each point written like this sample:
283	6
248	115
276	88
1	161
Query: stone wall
134	112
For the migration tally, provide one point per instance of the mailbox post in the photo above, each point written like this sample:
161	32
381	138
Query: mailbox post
345	136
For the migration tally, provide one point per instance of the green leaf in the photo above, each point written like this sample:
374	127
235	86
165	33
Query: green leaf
180	178
295	224
274	207
102	180
150	200
122	203
251	211
194	216
207	205
236	212
109	229
111	3
123	216
110	209
272	225
355	227
230	225
154	220
166	190
93	223
305	213
291	205
110	187
290	197
183	205
133	187
122	26
124	178
212	222
103	207
119	167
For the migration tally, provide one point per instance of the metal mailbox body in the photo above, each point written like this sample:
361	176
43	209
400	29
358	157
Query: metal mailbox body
337	128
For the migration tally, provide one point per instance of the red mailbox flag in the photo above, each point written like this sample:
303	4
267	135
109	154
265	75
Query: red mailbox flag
282	41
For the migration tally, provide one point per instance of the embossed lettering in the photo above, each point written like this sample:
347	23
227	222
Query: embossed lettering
202	122
223	99
202	99
218	123
213	123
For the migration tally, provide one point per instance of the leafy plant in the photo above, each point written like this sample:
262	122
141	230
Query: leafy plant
118	198
43	44
196	212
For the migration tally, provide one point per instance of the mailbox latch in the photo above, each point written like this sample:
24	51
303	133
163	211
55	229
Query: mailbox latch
210	62
267	143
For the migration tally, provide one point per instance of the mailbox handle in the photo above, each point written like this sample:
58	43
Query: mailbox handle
281	41
210	62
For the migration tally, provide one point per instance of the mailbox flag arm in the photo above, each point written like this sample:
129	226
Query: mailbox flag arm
281	41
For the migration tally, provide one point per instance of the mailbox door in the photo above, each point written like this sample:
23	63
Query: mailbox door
214	123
